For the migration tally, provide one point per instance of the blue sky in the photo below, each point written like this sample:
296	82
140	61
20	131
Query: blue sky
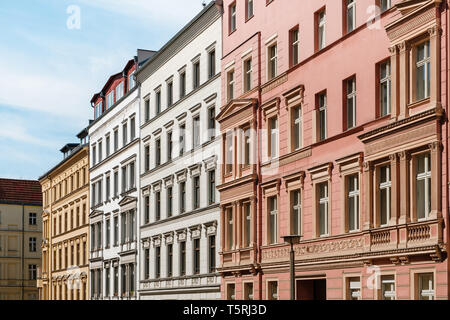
49	71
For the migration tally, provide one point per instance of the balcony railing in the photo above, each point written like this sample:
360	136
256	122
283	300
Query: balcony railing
180	282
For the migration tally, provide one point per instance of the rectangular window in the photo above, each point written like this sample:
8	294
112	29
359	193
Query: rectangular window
116	230
425	286
132	176
350	16
273	138
212	254
116	281
108	232
169	260
147	209
158	206
212	123
272	290
322	116
385	88
296	207
131	81
183	258
350	85
147	158
246	152
158	102
232	22
248	291
353	202
353	288
182	197
158	152
231	291
323	208
108	188
32	271
388	287
32	244
196	192
273	220
196	131
98	110
196	256
384	5
385	194
249	9
229	228
157	262
125	134
211	64
124	179
116	183
248	75
110	99
211	187
116	140
230	86
423	71
169	202
423	186
146	263
273	61
247	221
32	221
182	84
169	146
108	145
320	29
119	91
229	153
196	73
100	155
295	47
298	128
147	110
182	139
107	280
132	128
94	155
169	94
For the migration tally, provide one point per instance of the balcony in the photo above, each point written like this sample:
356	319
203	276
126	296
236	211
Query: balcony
128	246
243	257
96	254
185	282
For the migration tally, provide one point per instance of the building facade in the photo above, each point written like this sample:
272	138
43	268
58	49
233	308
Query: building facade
20	236
180	97
334	127
114	184
65	225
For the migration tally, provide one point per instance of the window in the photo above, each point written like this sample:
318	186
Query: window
273	138
98	109
196	256
116	140
116	281
231	291
212	254
353	288
232	26
388	287
182	197
212	123
125	134
110	99
322	116
108	187
353	202
116	230
196	192
211	187
351	103
248	291
273	61
323	208
146	263
350	16
230	87
158	152
158	206
229	228
272	290
320	31
147	158
273	220
147	209
423	71
296	212
108	145
182	139
169	146
108	279
247	75
182	84
32	244
385	5
196	131
196	72
423	186
211	64
385	88
229	153
32	271
249	9
124	179
131	81
132	128
147	109
183	258
132	176
295	47
246	147
116	183
158	102
425	286
169	202
108	232
94	155
100	156
119	91
298	128
169	260
385	194
32	219
247	221
169	94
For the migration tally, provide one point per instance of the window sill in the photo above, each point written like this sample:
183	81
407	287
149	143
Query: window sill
418	103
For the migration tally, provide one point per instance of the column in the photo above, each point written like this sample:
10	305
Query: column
367	217
435	58
403	76
238	224
394	218
404	179
394	82
436	177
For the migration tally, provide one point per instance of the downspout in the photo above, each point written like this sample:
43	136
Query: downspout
446	142
23	248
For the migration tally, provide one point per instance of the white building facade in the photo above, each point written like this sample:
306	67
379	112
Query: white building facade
180	150
114	185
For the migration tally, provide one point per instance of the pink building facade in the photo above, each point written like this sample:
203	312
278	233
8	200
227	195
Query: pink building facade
334	127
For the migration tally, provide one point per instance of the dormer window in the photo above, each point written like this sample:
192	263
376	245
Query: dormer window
131	81
110	99
98	110
119	91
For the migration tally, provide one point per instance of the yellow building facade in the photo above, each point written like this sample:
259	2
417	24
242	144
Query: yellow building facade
20	237
65	221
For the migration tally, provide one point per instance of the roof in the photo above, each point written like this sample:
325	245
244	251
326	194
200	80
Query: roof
20	192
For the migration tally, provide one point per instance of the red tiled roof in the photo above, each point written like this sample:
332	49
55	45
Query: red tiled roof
20	191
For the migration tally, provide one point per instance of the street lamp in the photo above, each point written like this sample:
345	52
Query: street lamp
292	239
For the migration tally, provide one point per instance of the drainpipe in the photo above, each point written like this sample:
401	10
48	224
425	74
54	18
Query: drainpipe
447	137
23	248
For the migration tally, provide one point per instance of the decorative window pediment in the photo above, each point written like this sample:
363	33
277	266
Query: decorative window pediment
294	96
210	163
321	171
181	235
181	175
195	169
350	163
156	241
168	181
271	108
234	108
157	186
168	237
196	231
271	188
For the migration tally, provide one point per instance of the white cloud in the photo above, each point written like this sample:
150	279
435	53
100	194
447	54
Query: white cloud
12	130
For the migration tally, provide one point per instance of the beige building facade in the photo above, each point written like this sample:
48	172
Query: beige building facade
20	235
65	221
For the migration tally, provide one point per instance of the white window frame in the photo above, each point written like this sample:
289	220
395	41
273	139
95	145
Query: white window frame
322	109
351	8
385	80
295	46
386	185
324	201
354	196
298	121
425	62
426	176
351	96
321	29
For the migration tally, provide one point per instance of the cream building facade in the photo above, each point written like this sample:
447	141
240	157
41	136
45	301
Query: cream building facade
20	236
65	221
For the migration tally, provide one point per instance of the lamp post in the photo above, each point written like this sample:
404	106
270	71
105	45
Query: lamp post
292	239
